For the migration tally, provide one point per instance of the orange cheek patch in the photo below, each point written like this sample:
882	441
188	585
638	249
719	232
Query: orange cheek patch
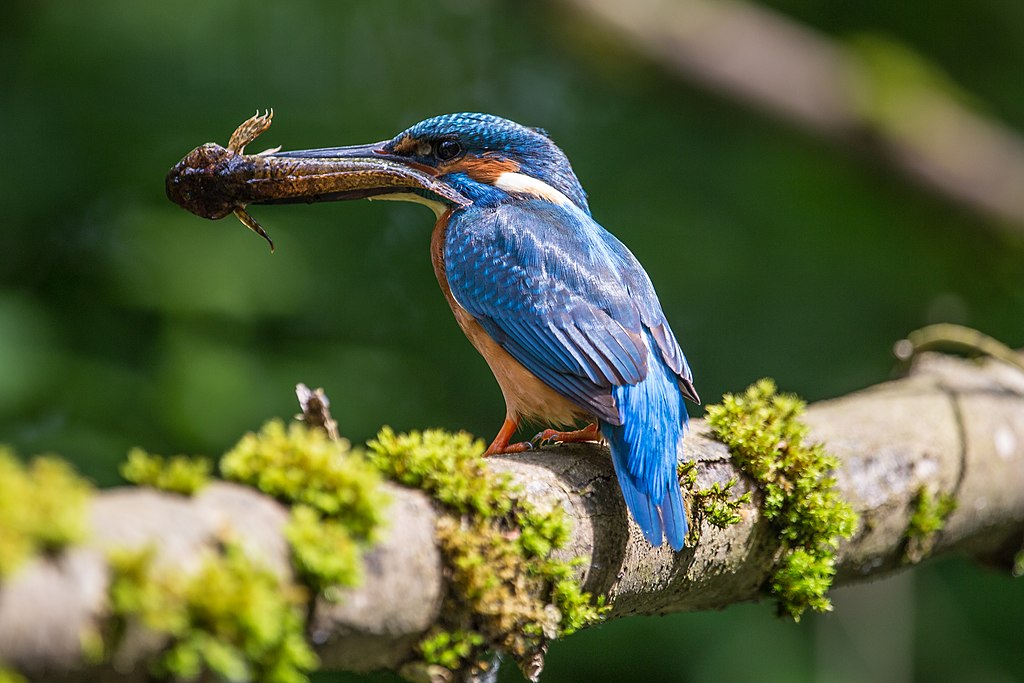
483	169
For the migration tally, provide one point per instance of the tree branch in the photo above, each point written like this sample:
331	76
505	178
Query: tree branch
763	59
952	427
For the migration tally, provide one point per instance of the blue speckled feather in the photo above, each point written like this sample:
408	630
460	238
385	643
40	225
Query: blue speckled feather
568	301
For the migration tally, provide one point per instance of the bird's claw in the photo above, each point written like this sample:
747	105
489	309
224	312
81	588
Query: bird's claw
520	447
548	437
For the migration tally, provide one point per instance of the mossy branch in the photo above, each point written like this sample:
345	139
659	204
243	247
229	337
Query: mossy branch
953	429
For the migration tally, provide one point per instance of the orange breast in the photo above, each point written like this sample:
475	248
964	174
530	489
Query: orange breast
525	395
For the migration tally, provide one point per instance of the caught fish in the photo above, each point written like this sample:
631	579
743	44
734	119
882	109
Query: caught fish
214	181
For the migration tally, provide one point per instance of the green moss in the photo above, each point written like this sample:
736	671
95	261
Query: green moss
335	492
801	580
507	592
42	508
1018	564
323	549
235	620
177	474
713	504
298	464
929	517
766	438
449	649
232	618
448	466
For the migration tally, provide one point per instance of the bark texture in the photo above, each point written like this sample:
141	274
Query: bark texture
952	427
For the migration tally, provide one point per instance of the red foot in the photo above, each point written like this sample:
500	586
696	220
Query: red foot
588	433
501	441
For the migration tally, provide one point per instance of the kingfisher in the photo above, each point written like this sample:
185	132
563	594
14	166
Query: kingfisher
563	313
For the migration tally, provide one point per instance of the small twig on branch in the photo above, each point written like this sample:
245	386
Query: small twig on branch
947	337
316	410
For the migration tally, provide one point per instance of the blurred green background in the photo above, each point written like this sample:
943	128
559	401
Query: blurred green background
126	321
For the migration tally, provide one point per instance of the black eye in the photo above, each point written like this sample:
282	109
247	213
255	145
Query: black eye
447	149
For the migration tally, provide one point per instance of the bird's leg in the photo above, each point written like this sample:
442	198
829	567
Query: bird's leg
588	433
501	441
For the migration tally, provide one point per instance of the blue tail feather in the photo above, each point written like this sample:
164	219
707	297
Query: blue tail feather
644	452
675	517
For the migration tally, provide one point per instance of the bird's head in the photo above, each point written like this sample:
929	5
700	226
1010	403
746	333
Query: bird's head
488	159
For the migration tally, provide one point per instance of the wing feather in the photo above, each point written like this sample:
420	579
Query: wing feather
562	296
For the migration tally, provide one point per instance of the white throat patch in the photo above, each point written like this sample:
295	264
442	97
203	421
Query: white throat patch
518	183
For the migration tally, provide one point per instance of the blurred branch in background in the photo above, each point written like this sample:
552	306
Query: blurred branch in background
870	94
953	431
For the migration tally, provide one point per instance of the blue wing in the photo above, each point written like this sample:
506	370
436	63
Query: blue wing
563	296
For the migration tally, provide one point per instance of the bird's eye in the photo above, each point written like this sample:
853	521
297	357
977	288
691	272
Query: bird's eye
447	149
